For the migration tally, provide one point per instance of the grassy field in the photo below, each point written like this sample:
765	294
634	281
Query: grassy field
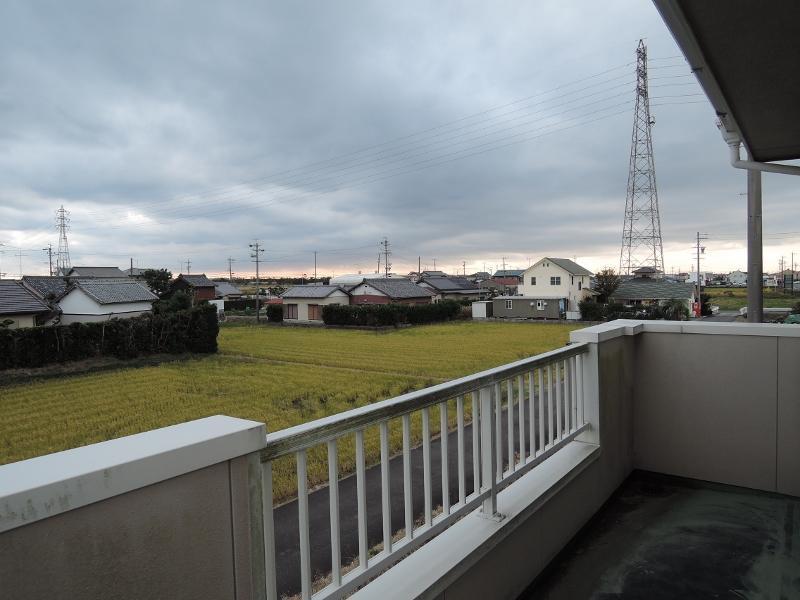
736	298
281	376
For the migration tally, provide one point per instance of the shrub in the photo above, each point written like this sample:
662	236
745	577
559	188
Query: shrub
274	313
192	330
705	305
591	311
384	315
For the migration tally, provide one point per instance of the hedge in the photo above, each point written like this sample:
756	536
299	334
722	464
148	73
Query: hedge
385	315
192	330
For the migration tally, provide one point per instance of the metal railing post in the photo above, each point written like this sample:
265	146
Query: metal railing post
488	453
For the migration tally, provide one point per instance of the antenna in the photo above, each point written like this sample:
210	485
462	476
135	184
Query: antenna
63	264
641	232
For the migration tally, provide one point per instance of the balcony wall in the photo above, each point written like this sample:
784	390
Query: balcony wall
165	514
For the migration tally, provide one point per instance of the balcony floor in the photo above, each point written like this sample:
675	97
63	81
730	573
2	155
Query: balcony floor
661	537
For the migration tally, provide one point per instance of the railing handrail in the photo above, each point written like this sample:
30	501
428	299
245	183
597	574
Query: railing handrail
331	427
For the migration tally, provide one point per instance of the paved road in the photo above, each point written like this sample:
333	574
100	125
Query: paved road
724	316
286	516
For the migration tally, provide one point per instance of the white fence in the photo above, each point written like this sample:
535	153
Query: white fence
548	388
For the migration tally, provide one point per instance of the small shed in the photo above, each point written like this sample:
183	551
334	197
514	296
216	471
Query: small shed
528	307
93	300
199	286
482	309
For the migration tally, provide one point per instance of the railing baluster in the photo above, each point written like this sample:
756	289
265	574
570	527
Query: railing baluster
407	500
333	494
521	402
531	414
510	423
476	448
386	500
498	432
443	439
542	441
426	463
361	493
567	396
462	478
488	450
581	415
551	414
271	579
575	422
558	380
302	513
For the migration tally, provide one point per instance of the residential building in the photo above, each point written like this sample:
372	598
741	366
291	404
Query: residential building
641	291
227	291
19	307
648	273
557	279
451	288
138	272
386	291
303	303
46	288
508	277
199	286
89	300
351	279
97	273
737	278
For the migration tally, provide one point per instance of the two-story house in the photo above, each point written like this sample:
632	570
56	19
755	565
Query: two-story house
556	280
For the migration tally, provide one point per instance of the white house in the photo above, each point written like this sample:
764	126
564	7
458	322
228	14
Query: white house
303	303
558	279
92	300
19	307
737	278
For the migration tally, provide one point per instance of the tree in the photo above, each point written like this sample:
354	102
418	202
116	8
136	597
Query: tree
157	280
675	310
606	283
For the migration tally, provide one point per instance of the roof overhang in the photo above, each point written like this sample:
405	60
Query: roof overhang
745	55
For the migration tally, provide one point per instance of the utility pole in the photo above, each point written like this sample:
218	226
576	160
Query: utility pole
20	254
434	264
188	266
464	264
791	278
419	265
315	265
255	254
386	253
700	250
49	251
230	268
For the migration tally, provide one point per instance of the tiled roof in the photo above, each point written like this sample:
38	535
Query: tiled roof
44	286
652	289
399	288
450	284
570	266
116	292
16	299
226	289
99	272
137	271
197	280
509	273
311	291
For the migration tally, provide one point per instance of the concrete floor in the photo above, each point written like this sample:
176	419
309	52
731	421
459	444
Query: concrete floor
662	538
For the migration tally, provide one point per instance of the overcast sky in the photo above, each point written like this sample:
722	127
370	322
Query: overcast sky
463	132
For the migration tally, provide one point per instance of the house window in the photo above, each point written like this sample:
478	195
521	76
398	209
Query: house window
291	311
555	280
540	305
579	285
533	280
509	304
314	312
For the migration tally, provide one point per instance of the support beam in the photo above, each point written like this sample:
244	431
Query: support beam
755	259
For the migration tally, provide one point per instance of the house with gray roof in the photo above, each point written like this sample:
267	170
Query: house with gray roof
451	288
46	288
19	307
555	281
90	300
303	303
392	290
226	290
641	291
97	272
199	286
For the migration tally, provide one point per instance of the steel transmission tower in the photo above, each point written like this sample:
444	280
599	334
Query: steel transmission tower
641	235
62	258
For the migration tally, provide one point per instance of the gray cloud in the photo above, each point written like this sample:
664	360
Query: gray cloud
177	130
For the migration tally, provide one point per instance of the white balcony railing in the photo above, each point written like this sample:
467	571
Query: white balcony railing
548	388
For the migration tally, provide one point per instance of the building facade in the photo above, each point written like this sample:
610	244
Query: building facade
303	303
556	279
